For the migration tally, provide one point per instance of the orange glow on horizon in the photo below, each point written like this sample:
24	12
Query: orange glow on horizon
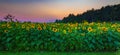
49	9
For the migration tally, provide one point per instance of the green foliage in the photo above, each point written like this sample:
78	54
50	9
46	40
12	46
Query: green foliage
58	37
107	13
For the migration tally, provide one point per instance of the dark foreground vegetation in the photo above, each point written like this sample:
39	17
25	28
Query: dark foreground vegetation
84	37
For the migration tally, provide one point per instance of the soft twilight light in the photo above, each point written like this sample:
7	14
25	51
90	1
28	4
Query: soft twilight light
49	10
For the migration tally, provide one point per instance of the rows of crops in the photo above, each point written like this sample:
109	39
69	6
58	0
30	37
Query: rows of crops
59	36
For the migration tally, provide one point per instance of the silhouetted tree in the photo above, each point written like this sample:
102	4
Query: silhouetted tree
10	18
107	13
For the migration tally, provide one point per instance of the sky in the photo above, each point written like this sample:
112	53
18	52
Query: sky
48	10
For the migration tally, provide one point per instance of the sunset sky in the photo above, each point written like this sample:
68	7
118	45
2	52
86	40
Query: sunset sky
48	10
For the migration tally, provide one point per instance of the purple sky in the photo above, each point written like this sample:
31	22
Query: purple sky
48	10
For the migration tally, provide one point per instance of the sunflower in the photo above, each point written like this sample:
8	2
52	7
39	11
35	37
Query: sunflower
86	23
76	28
90	29
39	28
3	25
5	31
44	24
70	30
54	30
44	27
33	26
104	22
104	28
8	26
82	34
23	26
91	24
114	25
64	31
83	28
76	24
28	28
118	29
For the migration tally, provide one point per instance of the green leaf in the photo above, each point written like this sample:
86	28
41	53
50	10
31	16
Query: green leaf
9	39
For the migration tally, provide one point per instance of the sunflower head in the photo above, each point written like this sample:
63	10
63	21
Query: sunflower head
82	34
64	31
114	25
5	31
70	30
54	30
104	29
44	27
91	24
90	29
33	26
8	25
118	29
86	23
3	25
83	28
39	28
28	28
23	26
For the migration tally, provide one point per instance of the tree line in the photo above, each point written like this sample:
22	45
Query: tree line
108	14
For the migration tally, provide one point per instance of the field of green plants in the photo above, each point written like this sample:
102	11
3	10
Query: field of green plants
15	36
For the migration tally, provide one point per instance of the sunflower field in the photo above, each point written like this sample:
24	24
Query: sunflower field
15	36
